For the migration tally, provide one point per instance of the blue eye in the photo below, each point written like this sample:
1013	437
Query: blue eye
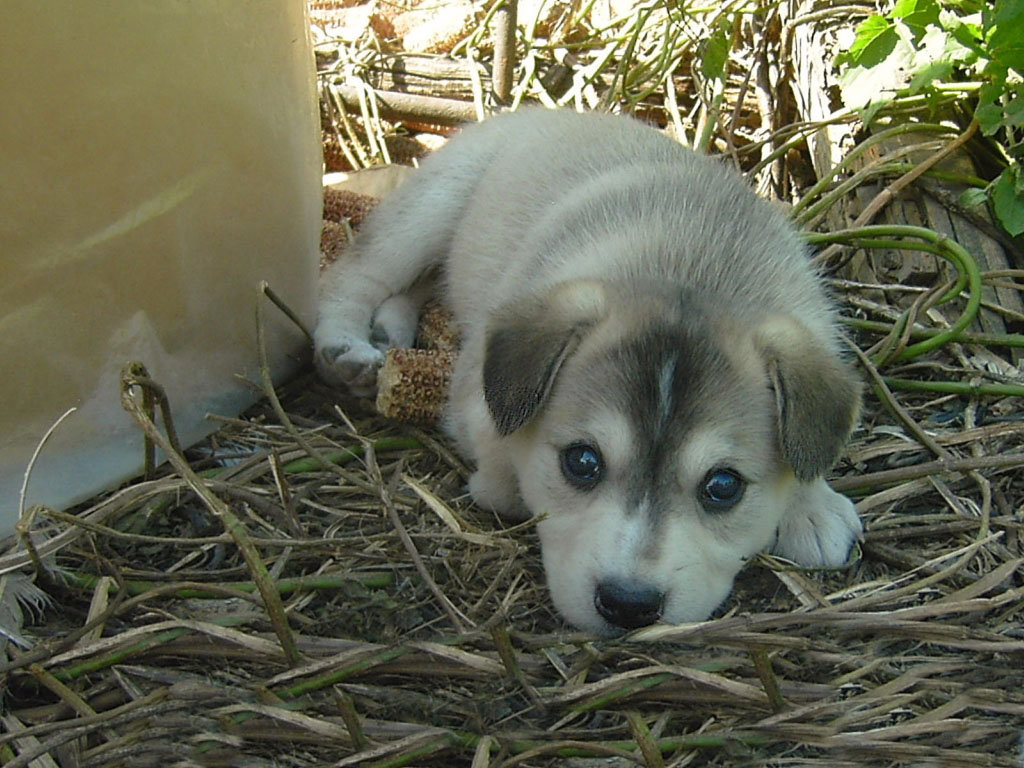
582	466
722	490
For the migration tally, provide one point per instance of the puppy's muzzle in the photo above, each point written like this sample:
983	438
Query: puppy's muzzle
628	604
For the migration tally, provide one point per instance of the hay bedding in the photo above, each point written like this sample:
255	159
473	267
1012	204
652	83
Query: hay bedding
454	655
276	610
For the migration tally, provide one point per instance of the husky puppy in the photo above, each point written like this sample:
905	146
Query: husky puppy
648	360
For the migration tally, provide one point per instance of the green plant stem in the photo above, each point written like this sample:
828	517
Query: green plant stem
337	675
945	248
665	745
965	388
628	689
809	218
567	748
338	458
962	280
956	178
985	339
345	455
122	654
445	741
845	115
861	148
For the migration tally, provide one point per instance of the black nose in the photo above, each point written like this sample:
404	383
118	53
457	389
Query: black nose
628	604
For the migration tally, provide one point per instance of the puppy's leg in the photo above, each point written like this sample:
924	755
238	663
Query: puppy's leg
395	322
367	299
820	527
494	485
402	239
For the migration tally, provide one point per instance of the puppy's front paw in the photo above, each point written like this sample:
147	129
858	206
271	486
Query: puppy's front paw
499	493
394	323
350	362
820	528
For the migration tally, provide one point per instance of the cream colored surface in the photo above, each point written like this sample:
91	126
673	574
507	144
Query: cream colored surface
158	160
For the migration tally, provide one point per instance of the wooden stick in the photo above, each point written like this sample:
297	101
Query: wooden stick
406	106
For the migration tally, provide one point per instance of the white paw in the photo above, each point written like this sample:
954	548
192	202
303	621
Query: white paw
498	494
351	359
394	323
819	529
348	361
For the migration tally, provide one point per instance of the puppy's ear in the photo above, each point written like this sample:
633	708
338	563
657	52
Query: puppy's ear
527	342
817	395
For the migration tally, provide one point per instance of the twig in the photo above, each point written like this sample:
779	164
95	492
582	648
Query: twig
648	745
967	268
768	679
407	106
43	651
454	615
886	196
275	402
35	457
504	50
271	597
890	402
347	708
136	375
942	466
503	644
289	313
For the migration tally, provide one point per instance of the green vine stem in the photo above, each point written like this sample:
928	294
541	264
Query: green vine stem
903	106
940	245
983	339
966	388
860	149
345	455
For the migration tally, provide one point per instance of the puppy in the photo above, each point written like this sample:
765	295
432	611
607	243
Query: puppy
648	360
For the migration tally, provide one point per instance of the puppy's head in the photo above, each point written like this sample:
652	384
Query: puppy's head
661	441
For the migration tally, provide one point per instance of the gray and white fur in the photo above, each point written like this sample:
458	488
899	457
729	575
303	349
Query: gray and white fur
648	360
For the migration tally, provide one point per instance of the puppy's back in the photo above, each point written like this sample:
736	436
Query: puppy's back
563	195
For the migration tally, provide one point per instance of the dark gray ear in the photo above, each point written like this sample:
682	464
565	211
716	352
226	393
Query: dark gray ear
817	395
527	342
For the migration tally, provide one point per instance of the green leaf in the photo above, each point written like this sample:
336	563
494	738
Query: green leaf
969	36
966	7
1004	30
989	112
1007	202
930	61
876	38
1013	110
962	40
973	197
716	53
1015	106
928	74
868	112
990	118
917	14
